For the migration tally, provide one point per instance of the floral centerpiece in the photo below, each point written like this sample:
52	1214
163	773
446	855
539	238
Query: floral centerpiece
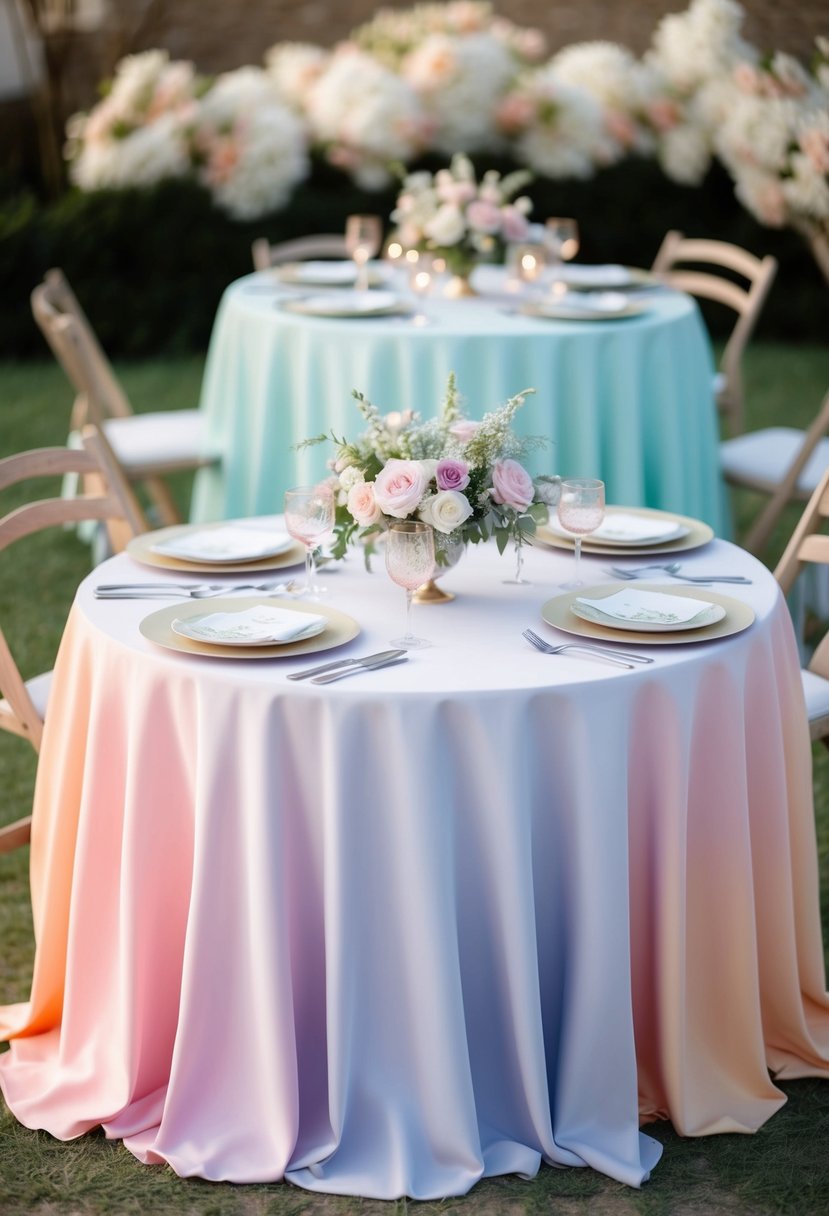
465	478
454	216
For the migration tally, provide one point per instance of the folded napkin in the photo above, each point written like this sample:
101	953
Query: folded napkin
323	272
619	526
654	607
594	276
592	301
261	624
228	543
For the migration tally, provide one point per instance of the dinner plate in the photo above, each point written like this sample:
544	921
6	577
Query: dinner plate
553	310
737	617
158	628
143	549
224	544
657	614
332	273
666	528
583	277
697	535
348	304
254	627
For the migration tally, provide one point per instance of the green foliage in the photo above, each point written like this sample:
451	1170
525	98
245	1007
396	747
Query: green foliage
150	266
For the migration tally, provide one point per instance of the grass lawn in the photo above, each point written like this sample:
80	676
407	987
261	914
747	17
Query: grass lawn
784	1168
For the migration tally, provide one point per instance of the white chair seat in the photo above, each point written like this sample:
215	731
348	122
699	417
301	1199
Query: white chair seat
763	457
816	692
38	689
160	441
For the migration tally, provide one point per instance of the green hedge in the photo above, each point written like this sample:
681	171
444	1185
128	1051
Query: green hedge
150	266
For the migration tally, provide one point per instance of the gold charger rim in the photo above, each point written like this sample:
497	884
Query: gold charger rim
633	309
699	534
400	307
157	628
738	616
141	549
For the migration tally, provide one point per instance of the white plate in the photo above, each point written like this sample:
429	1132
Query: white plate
258	626
642	530
657	606
582	277
581	308
348	304
324	274
223	544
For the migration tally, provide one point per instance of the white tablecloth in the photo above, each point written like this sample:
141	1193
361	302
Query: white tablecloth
452	919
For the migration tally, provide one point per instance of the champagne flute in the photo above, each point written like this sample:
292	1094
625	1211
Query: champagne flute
580	511
561	239
363	234
309	516
410	561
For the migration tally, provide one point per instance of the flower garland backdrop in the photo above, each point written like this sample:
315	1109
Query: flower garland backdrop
456	77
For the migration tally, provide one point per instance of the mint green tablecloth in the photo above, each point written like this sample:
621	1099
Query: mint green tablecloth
626	400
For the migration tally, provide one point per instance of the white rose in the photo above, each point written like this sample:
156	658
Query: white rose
447	226
446	510
349	477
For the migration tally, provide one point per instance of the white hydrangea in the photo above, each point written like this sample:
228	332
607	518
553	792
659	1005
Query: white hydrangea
563	128
366	115
252	148
294	68
619	83
684	153
757	132
807	190
702	43
146	156
460	81
761	193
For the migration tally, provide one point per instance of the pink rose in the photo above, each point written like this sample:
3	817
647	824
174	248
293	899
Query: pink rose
483	216
464	430
399	487
452	474
516	227
362	504
512	485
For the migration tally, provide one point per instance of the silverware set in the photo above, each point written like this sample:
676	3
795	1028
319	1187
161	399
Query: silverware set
618	658
328	672
193	591
672	569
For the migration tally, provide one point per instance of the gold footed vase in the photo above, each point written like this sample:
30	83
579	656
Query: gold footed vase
459	287
431	593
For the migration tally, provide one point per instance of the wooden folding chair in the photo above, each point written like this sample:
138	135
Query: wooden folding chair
672	264
809	544
324	245
106	496
148	446
781	461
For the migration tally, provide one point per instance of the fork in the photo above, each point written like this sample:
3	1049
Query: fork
196	591
672	570
619	658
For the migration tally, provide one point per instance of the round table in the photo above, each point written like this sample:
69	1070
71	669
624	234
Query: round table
449	919
628	400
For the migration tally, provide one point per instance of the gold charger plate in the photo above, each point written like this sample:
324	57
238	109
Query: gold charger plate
141	548
561	312
738	616
158	628
637	277
298	274
317	305
698	534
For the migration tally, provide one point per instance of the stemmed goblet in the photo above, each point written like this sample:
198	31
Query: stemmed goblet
309	516
410	561
561	240
580	511
363	234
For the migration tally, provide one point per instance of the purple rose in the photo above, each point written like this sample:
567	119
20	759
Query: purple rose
452	474
512	485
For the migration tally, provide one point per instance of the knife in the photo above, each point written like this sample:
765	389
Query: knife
383	657
361	665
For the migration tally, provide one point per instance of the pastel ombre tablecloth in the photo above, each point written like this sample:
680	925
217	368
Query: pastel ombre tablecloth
630	401
447	920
